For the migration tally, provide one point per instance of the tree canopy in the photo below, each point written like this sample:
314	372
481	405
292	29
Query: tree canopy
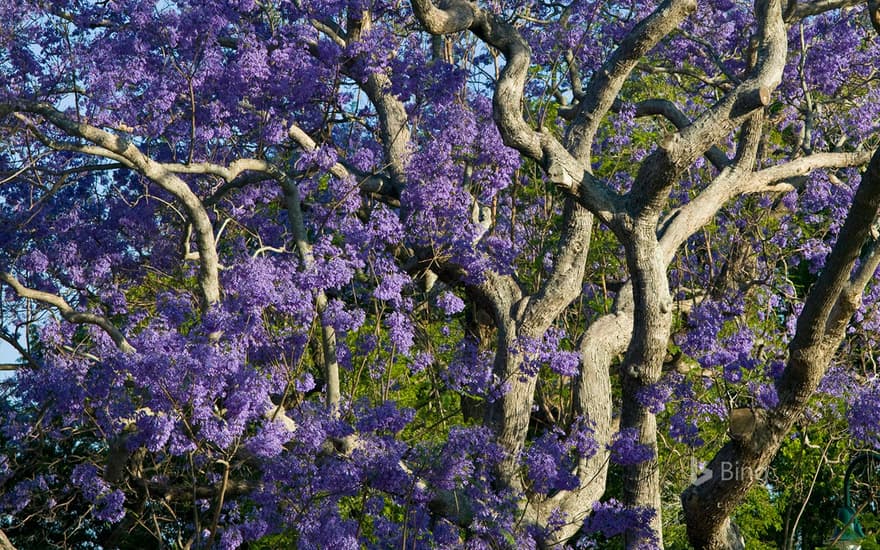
345	274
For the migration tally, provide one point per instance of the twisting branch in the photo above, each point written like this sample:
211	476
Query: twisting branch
607	81
245	172
108	145
294	213
689	218
564	170
677	151
737	180
670	112
69	314
391	112
820	329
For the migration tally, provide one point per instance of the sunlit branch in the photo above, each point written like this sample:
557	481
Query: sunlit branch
606	83
108	145
66	311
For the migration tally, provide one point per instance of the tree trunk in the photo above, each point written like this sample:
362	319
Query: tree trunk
820	330
5	544
642	367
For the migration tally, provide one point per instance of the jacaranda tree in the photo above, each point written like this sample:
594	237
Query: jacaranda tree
343	274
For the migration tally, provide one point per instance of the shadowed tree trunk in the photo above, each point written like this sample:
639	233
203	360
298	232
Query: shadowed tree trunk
820	330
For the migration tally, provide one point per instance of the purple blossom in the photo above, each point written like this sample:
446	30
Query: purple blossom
384	418
108	503
421	362
548	465
655	396
226	97
627	450
400	332
864	414
611	519
305	383
450	303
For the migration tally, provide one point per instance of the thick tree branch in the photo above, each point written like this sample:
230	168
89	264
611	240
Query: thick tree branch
564	283
69	314
685	221
5	544
245	172
115	147
660	170
668	110
604	340
800	9
393	120
834	281
820	330
562	168
455	17
607	81
689	218
509	415
642	367
802	166
297	225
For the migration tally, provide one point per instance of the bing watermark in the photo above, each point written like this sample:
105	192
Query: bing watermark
727	471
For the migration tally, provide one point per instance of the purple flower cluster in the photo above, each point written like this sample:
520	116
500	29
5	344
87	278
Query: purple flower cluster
611	519
547	352
626	449
108	503
863	413
408	178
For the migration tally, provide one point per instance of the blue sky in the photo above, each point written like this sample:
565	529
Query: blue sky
7	353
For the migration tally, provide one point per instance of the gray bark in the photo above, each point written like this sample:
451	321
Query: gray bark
642	366
328	334
69	314
602	90
5	544
114	147
820	330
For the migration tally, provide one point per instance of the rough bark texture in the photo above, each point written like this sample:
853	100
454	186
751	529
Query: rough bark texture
820	330
642	367
642	318
607	82
529	318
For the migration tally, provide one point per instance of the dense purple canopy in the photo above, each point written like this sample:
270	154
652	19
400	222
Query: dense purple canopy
398	275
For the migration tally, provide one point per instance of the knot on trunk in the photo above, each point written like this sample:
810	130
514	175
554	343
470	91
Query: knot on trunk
746	426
